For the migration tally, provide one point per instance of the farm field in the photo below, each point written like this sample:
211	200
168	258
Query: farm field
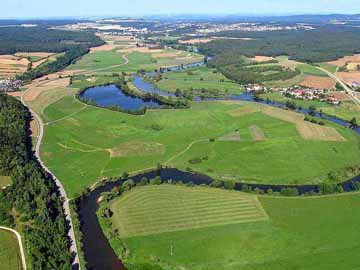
11	65
198	81
176	137
9	251
299	232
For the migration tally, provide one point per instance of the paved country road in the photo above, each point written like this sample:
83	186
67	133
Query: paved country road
21	247
71	234
344	85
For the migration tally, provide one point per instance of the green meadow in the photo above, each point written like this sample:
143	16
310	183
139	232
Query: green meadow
232	141
198	81
9	251
298	234
113	61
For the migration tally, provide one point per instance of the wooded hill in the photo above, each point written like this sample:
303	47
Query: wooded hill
323	44
32	201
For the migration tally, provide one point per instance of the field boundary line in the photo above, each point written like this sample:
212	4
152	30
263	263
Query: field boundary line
21	247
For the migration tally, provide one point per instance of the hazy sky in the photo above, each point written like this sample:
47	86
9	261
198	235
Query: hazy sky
61	8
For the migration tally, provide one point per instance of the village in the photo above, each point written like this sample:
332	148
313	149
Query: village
331	96
10	85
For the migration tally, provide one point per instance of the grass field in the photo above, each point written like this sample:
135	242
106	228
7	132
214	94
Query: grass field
132	61
298	235
307	69
147	211
198	81
4	181
284	156
9	251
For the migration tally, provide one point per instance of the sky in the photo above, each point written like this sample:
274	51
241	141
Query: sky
84	8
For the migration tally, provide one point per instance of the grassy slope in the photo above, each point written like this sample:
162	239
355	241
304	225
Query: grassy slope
191	78
9	251
303	233
276	160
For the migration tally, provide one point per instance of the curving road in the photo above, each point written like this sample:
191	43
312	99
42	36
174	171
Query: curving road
344	85
71	234
21	247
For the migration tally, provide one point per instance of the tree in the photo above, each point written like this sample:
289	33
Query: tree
312	110
353	122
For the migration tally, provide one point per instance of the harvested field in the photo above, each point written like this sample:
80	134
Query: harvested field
167	208
341	96
36	88
318	82
230	137
15	94
260	58
34	54
103	48
345	60
137	148
11	65
349	77
195	41
257	133
319	133
38	63
242	111
308	131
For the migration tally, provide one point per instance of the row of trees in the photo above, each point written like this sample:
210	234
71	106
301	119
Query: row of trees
32	201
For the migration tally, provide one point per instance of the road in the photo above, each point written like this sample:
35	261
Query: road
21	247
71	234
351	92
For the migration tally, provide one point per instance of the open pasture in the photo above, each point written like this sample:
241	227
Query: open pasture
147	210
298	235
198	81
175	137
9	251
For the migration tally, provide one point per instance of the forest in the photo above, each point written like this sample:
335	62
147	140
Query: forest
325	43
42	39
31	202
238	68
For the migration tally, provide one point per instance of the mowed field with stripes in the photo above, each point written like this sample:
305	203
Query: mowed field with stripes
166	208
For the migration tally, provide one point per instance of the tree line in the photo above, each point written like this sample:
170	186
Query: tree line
32	202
